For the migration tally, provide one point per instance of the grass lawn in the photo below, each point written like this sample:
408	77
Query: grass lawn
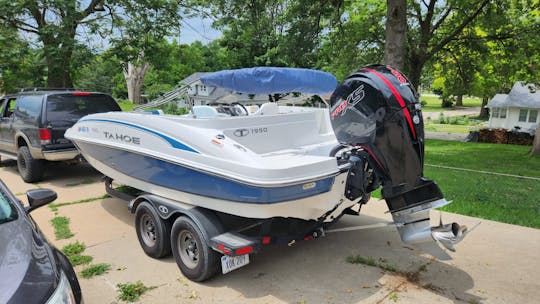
499	198
448	128
126	105
433	103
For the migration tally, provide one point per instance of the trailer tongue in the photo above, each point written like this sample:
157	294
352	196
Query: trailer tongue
377	118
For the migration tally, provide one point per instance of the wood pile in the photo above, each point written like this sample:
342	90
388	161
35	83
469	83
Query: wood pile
502	136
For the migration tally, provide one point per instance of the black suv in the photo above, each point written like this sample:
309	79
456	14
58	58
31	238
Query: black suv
32	126
31	270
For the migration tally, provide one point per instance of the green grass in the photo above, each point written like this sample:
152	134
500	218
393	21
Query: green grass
55	206
73	248
61	227
448	128
73	252
433	103
95	270
80	259
128	190
499	198
358	259
130	292
126	105
511	159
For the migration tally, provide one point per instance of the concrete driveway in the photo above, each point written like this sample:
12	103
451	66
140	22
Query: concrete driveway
497	263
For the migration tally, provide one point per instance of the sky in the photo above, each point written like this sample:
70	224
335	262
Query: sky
198	28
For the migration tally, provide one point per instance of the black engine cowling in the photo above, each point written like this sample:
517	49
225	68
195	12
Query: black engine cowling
376	110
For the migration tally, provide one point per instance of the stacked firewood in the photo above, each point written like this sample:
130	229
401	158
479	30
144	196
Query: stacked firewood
502	136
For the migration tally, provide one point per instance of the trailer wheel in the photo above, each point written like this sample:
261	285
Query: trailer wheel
196	260
153	232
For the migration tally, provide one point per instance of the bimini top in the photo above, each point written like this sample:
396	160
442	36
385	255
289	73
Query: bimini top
272	80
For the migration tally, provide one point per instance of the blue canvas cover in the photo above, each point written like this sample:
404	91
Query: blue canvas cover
272	80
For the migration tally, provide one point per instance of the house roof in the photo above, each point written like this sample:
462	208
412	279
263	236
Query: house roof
522	95
193	77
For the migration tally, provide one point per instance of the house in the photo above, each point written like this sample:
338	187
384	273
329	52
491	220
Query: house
201	94
518	109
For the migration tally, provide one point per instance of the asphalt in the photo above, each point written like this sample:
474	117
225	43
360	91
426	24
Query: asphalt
496	263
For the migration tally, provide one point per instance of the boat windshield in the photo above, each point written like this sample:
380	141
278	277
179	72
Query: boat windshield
7	210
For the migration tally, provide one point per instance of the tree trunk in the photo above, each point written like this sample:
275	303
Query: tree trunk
396	33
134	76
459	101
536	143
415	72
58	73
484	113
58	51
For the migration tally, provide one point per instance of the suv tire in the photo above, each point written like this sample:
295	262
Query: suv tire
30	169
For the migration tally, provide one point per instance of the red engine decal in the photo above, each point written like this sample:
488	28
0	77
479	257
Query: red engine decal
342	106
398	75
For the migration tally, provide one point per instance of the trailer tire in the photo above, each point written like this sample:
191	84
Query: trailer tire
196	260
153	232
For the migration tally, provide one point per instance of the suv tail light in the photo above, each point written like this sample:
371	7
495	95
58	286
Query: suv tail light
78	93
45	136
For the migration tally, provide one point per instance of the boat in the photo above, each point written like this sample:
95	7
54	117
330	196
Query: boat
289	162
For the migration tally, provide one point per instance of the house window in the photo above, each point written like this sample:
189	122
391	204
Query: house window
495	113
523	115
503	113
533	114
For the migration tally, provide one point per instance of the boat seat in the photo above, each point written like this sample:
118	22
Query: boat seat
269	108
204	112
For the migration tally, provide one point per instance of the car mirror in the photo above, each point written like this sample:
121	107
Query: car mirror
39	197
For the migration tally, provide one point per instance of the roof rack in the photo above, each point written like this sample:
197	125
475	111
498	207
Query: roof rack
45	89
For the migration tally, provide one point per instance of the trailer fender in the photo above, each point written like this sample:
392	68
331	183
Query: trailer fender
207	220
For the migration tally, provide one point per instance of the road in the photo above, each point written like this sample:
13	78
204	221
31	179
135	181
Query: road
496	263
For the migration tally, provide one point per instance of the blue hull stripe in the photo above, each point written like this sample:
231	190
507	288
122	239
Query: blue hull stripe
173	142
176	177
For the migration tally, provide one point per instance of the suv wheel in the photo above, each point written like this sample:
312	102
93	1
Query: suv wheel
30	169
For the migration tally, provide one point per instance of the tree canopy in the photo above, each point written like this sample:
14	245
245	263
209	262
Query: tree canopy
477	47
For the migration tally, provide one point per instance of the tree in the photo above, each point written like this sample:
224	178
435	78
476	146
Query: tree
491	54
276	32
141	26
433	26
55	24
356	39
396	33
20	65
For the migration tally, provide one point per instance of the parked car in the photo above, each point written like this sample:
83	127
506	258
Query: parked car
32	126
31	269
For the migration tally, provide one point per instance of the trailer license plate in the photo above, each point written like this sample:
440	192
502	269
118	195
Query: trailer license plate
229	263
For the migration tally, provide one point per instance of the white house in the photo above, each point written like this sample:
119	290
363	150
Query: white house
200	94
520	108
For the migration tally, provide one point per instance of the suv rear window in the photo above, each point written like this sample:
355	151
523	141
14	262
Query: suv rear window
73	107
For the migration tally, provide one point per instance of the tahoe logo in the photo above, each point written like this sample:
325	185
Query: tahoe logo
122	138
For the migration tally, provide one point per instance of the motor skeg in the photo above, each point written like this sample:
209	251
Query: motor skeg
377	109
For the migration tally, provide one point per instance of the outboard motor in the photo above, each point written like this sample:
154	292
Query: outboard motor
377	118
